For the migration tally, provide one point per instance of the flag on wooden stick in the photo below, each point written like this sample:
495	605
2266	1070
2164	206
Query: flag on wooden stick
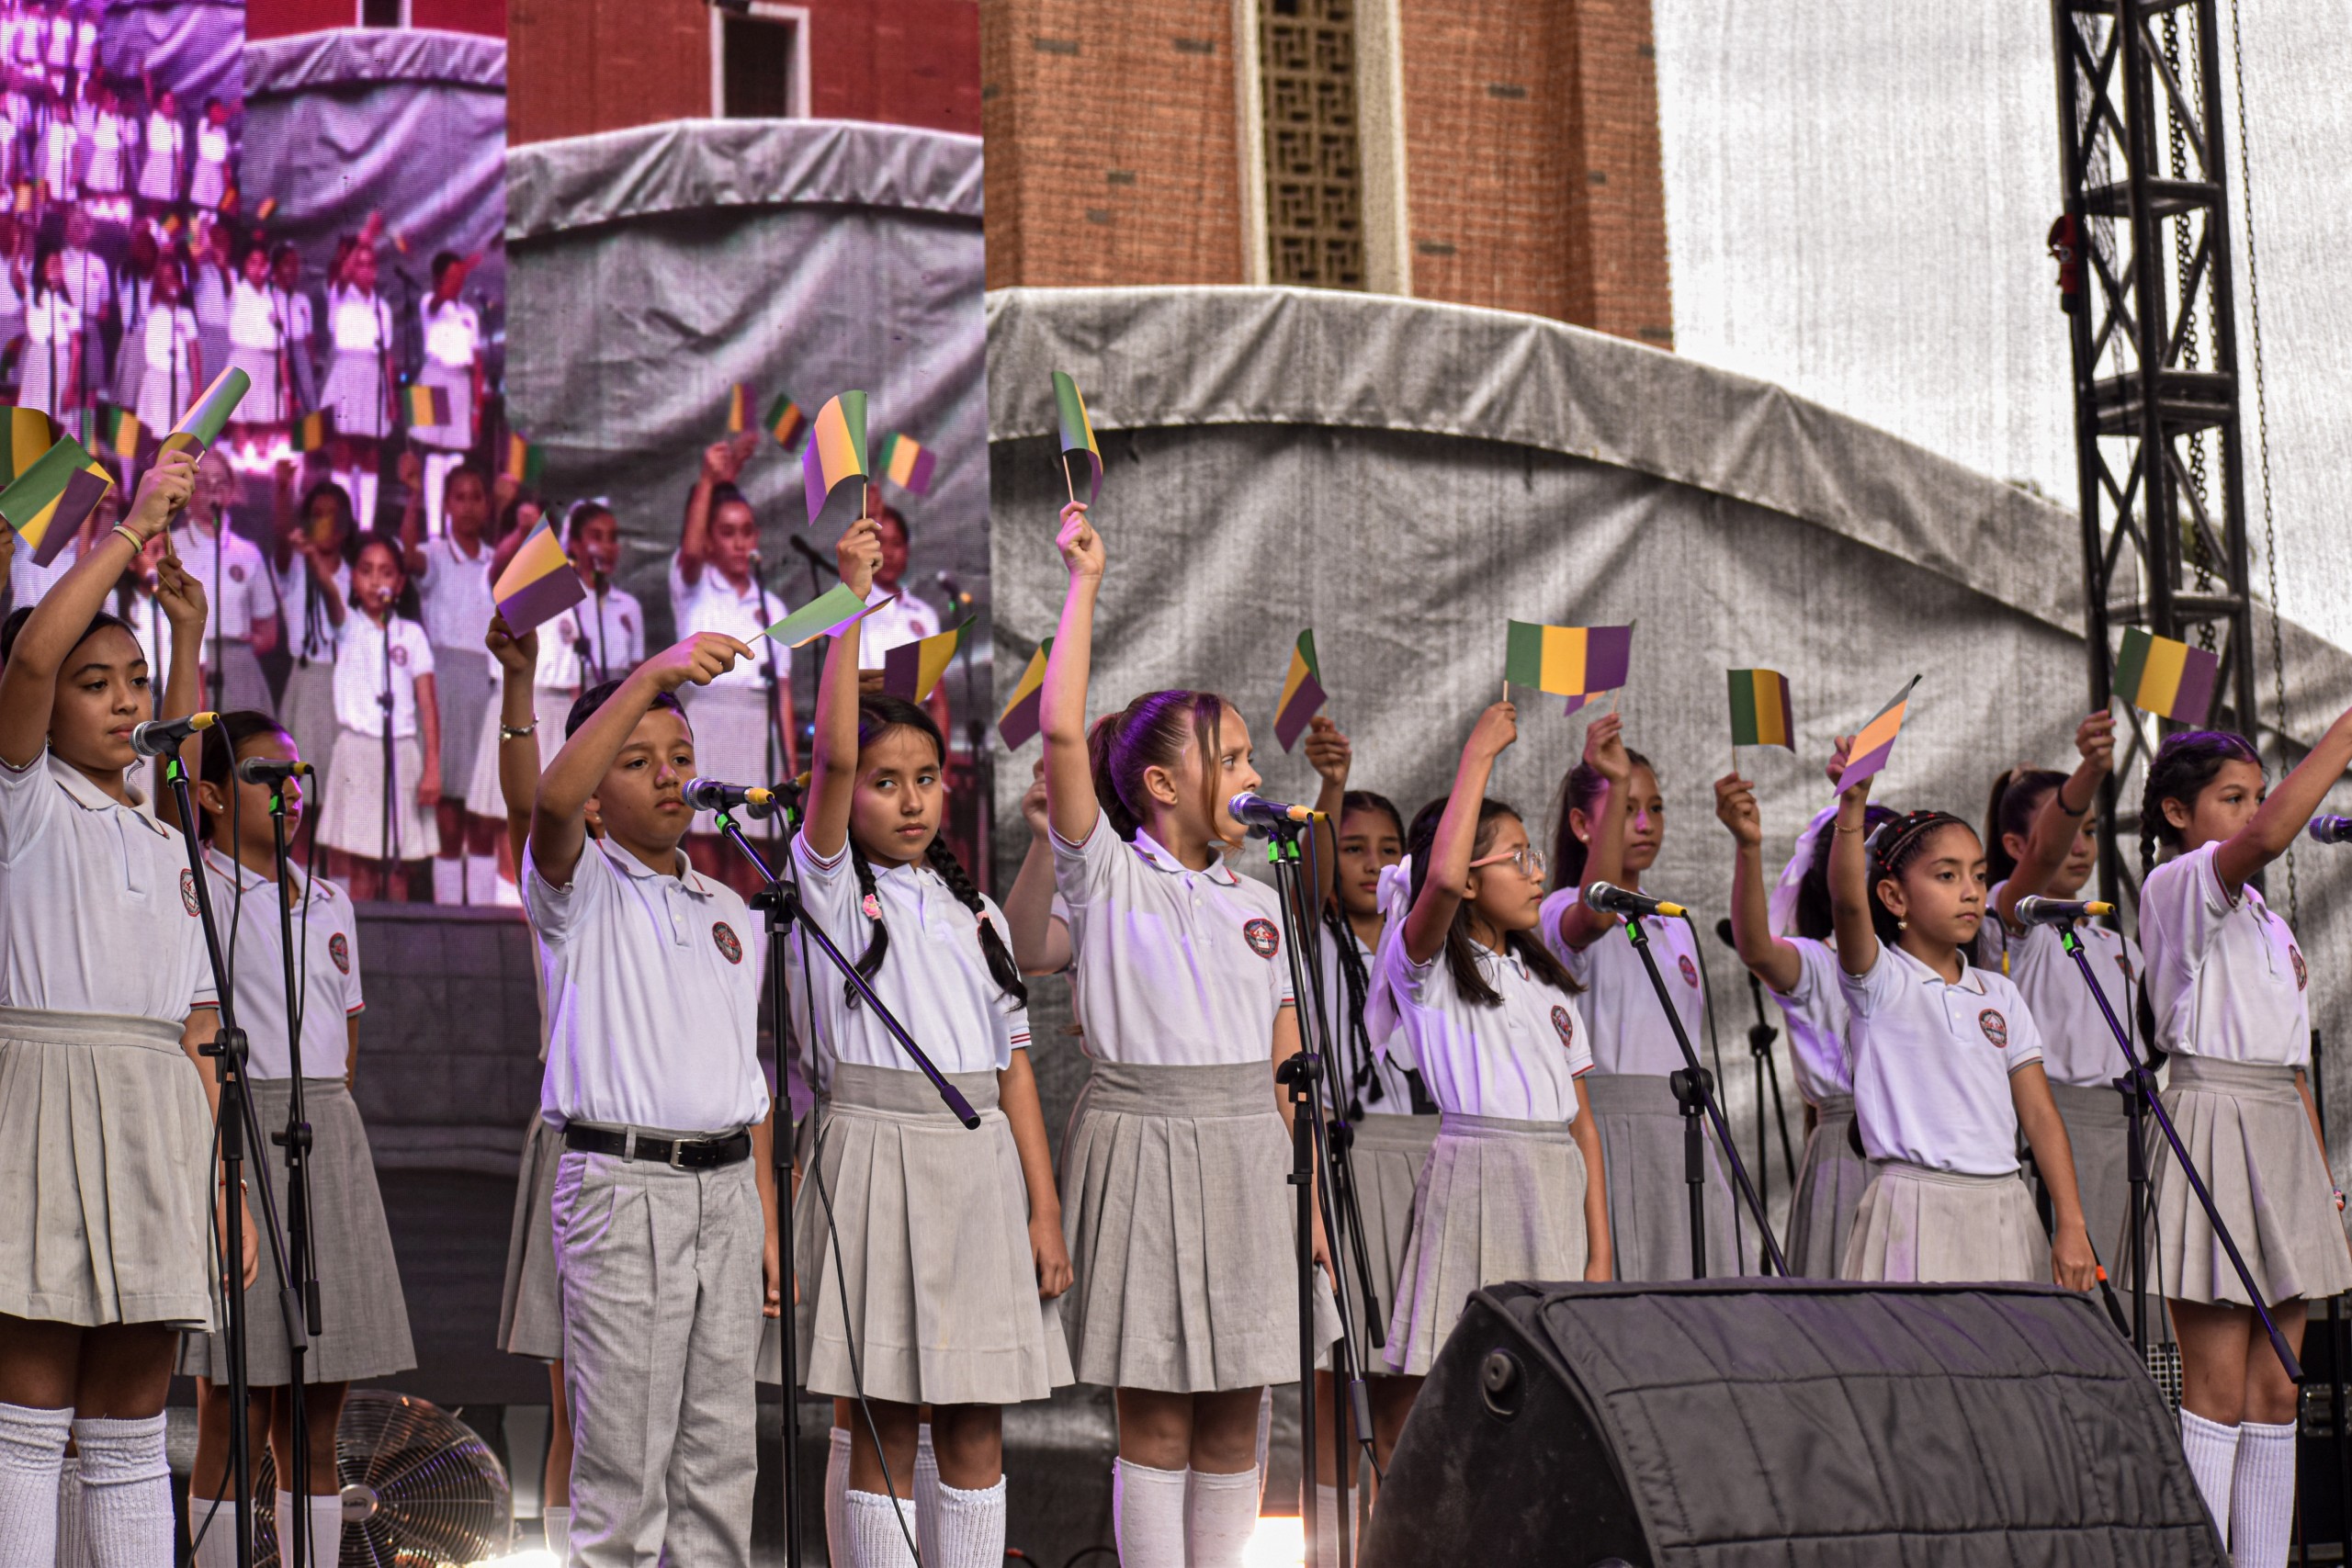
48	503
1019	721
1078	437
1875	744
1567	661
912	669
540	583
905	463
2168	678
836	449
1303	695
1761	710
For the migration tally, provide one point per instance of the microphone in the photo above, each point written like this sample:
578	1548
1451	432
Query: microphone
2332	829
1256	811
809	553
948	585
709	794
1610	899
157	737
1723	934
2035	911
270	769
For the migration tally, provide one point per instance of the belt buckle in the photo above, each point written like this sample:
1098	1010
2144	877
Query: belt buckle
677	1154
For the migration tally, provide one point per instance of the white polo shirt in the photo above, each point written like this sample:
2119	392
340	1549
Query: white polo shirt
711	605
1932	1063
901	620
452	333
2076	1045
236	579
1175	967
653	985
98	905
934	978
1630	1034
306	636
1816	1015
327	976
1385	1091
454	591
253	317
360	668
613	623
359	323
2224	976
1518	1060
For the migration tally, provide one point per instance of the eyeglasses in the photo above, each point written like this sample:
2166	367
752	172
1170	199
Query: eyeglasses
1527	860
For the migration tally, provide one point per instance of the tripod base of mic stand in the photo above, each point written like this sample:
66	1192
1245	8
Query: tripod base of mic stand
1691	1086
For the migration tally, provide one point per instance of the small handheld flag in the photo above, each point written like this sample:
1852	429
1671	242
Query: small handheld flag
786	421
738	407
1871	748
1019	721
30	433
2168	678
1567	661
202	424
829	615
524	465
912	669
1302	692
422	405
836	451
1760	711
1077	436
539	583
905	463
120	432
314	430
48	503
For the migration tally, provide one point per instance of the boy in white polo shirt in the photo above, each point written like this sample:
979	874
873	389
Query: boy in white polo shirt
665	1196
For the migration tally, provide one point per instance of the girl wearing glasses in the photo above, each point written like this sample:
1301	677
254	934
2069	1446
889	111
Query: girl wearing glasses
1465	994
1611	821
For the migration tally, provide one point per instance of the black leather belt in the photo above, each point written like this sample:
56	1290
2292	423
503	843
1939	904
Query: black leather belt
678	1154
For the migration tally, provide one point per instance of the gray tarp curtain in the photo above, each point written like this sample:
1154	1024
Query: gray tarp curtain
192	47
1403	477
656	268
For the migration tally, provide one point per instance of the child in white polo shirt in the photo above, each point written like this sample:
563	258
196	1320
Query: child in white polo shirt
1947	1065
664	1198
2228	985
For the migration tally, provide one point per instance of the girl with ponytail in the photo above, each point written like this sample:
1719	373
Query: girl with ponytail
931	1259
2228	987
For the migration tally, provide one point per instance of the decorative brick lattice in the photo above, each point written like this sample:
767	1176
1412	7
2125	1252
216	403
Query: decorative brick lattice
1314	170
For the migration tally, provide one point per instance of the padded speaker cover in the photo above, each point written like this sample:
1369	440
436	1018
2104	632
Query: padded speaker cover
1741	1423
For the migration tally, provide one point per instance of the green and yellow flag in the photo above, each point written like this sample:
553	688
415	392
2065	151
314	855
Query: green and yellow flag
49	502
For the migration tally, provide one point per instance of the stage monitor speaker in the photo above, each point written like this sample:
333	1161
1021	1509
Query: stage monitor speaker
1747	1423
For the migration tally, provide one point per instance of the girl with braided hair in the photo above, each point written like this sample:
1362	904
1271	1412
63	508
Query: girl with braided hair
931	1257
2227	986
1947	1065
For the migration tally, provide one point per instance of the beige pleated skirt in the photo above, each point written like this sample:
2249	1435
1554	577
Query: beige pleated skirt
105	1154
1918	1227
1179	1212
353	818
1830	1189
530	1317
2099	1131
1388	1154
2245	1129
927	1251
363	1317
1499	1199
1649	1200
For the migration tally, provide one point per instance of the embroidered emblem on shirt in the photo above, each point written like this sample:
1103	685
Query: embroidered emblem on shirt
1995	1028
340	951
236	574
1260	935
728	944
2302	971
400	656
1565	1021
187	891
1690	970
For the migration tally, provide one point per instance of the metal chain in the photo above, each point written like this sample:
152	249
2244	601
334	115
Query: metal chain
2200	557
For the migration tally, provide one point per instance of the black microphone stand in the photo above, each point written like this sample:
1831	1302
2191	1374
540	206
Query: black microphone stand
2142	1080
1695	1092
294	1546
779	902
238	1128
392	761
1761	1035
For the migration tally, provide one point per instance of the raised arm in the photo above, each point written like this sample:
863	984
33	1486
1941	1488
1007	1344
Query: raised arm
1448	876
1768	957
832	783
1070	805
1604	853
2278	819
719	466
518	761
182	597
1040	942
2060	817
410	470
1849	872
1332	757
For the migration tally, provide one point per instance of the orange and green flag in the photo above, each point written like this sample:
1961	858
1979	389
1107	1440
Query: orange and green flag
904	463
739	407
1303	696
209	414
836	449
1078	437
118	431
525	464
830	614
1019	723
540	583
786	420
2168	678
314	430
912	669
1875	744
422	406
1567	661
49	502
1761	710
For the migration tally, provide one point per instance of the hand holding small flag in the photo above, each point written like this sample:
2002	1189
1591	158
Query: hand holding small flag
1869	750
1080	546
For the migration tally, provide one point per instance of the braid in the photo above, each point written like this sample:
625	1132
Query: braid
877	945
1002	968
1353	986
1893	846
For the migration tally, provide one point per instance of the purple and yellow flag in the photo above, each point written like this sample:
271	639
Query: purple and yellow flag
912	669
202	424
48	503
1567	661
830	614
118	431
539	583
1077	436
1762	714
422	405
30	433
836	450
314	430
1871	748
1303	695
786	420
739	407
2168	678
1018	723
904	463
525	464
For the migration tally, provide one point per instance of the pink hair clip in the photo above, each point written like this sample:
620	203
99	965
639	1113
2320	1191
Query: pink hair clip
873	906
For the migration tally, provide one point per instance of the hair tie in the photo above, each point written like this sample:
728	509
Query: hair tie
872	905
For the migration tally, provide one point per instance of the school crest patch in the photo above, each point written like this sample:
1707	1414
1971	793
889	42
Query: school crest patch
340	951
1261	936
236	574
729	943
400	656
187	893
1690	970
2302	970
1565	1021
1995	1028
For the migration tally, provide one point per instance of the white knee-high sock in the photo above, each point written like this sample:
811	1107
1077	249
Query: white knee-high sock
925	1493
1327	1526
324	1543
1148	1514
32	1457
482	879
1265	1438
836	1491
971	1529
555	1523
214	1527
1220	1512
71	1551
2212	1452
2262	1495
449	879
879	1529
126	1492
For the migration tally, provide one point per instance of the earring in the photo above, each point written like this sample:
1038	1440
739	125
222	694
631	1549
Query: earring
1901	925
